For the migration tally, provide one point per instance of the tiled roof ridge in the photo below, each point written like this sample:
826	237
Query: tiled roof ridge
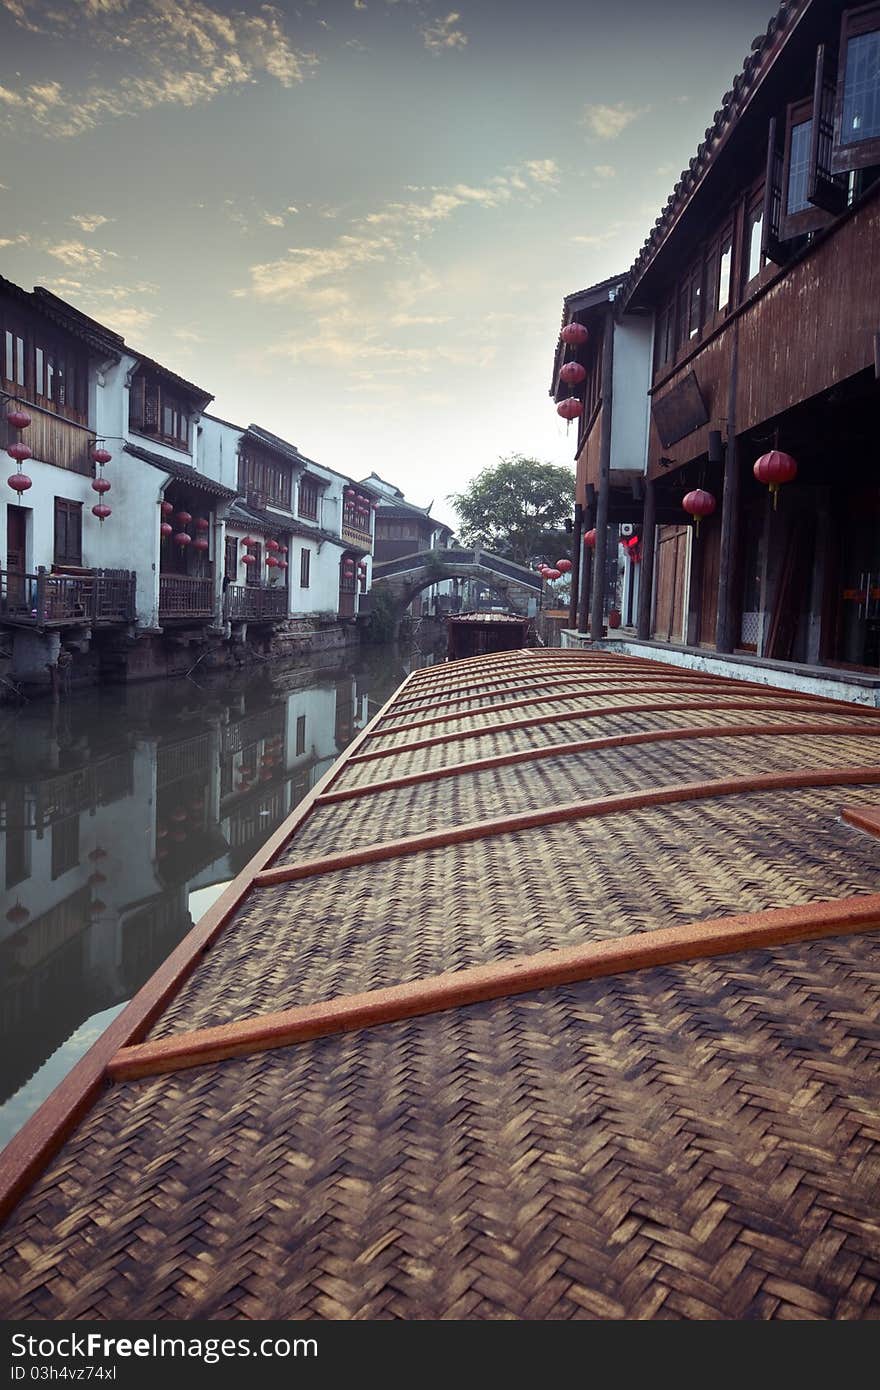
732	103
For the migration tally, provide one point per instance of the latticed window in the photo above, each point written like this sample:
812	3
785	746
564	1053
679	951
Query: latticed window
68	532
154	409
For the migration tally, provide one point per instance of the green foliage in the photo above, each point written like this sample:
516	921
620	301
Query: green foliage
517	509
381	624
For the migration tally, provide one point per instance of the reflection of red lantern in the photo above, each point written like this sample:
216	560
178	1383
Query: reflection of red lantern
572	374
97	853
774	469
18	915
590	539
563	566
570	408
97	907
166	508
575	335
97	877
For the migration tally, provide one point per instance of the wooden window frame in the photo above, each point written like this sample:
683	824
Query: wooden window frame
305	567
308	493
810	218
68	360
300	736
230	559
756	202
161	398
853	154
66	507
254	575
263	479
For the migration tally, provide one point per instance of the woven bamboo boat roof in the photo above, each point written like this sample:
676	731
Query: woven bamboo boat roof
558	997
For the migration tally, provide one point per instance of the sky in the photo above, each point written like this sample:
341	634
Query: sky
353	221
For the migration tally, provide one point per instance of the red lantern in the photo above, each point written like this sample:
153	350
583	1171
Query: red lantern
165	530
698	504
375	503
202	523
590	539
284	550
271	562
272	545
553	574
101	456
248	559
100	485
575	335
19	482
19	452
572	374
183	518
563	566
282	564
182	539
774	469
166	508
249	540
18	419
570	408
200	543
349	493
102	511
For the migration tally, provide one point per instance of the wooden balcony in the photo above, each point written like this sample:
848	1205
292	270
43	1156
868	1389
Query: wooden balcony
54	600
185	596
254	603
52	439
353	535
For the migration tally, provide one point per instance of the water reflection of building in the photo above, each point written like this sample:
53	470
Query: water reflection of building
115	813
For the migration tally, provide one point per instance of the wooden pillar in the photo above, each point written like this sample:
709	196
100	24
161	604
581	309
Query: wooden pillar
727	598
821	550
646	582
587	572
600	554
575	563
695	589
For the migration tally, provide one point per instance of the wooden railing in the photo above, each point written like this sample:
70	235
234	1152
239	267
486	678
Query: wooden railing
175	761
355	536
99	596
252	601
51	439
184	596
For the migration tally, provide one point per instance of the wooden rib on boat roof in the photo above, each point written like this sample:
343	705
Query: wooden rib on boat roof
571	1014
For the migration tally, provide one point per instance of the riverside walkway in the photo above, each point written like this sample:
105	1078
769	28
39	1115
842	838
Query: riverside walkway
558	997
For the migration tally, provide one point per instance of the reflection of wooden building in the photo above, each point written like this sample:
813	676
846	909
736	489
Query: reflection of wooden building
760	277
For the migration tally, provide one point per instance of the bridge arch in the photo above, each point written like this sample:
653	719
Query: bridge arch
404	578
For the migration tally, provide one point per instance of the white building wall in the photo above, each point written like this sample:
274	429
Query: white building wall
631	381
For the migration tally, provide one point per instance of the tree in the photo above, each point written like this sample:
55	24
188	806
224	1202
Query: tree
518	509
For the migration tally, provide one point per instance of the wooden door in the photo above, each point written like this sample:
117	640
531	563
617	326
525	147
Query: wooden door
16	553
671	566
710	540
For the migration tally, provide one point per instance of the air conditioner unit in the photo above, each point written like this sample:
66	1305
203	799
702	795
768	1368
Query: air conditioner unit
627	529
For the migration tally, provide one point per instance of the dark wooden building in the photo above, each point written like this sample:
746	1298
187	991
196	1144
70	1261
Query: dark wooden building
762	275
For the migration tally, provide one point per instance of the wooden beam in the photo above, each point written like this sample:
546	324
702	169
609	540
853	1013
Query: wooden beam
575	577
726	601
456	989
601	552
586	745
597	807
646	586
863	818
566	716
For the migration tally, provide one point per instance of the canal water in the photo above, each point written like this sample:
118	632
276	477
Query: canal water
126	811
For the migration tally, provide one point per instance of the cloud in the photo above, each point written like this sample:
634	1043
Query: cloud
381	234
89	221
442	35
273	219
180	54
128	319
607	122
22	239
77	255
605	171
418	320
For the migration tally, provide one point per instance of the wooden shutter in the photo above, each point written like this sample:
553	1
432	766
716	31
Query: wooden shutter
772	244
824	189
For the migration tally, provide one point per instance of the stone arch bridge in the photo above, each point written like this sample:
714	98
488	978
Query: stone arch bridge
407	576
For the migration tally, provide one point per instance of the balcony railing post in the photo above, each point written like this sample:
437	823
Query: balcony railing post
41	593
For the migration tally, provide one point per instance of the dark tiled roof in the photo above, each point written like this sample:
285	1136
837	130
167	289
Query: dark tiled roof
100	339
183	471
764	50
281	446
274	525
